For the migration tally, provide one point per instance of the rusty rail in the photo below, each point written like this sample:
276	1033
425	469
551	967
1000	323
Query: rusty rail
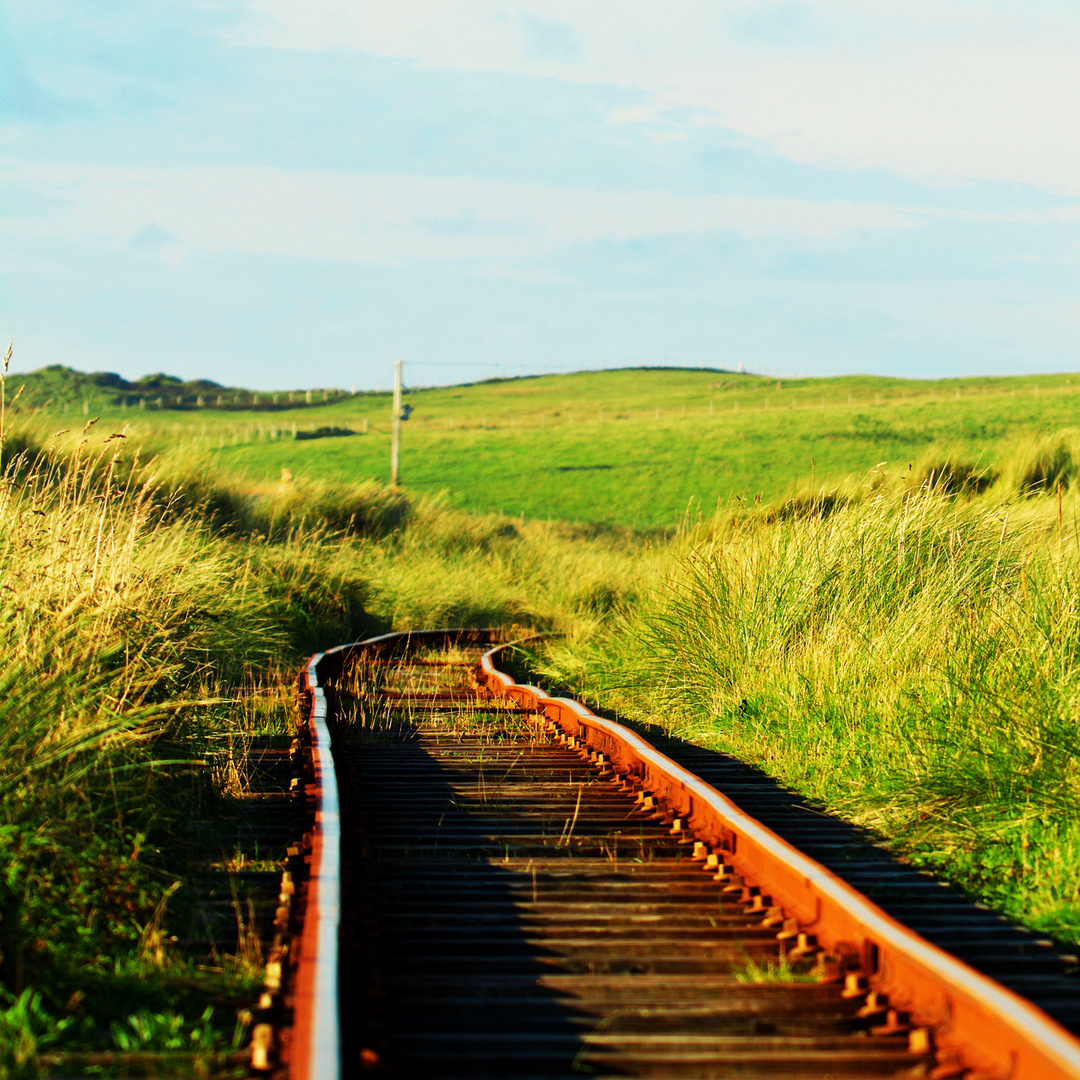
315	1051
976	1023
315	1046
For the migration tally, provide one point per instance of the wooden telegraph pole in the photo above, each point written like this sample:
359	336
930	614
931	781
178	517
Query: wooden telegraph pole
395	436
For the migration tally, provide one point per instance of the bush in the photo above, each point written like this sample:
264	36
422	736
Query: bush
1047	466
952	477
323	433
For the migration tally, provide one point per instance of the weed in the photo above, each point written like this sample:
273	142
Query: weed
781	970
150	1031
27	1030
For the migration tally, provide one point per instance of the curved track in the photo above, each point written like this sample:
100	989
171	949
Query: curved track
528	889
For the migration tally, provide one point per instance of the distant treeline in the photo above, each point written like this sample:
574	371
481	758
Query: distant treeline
61	386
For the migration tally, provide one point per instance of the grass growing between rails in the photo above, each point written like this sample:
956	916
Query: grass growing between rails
910	660
149	607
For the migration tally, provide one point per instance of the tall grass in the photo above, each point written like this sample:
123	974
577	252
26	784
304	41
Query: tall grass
111	620
413	561
911	660
143	593
125	616
1041	465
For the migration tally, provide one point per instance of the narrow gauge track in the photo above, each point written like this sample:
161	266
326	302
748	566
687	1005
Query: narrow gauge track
529	890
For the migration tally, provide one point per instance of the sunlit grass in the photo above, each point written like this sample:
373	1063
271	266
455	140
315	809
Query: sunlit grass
910	660
779	971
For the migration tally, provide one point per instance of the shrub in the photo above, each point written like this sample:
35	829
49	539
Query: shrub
951	477
1046	466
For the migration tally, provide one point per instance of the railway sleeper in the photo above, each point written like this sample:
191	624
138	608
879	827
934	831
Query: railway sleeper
504	929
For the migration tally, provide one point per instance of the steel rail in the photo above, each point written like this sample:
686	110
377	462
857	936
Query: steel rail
315	1052
977	1023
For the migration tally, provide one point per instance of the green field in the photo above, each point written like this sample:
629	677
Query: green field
641	447
635	446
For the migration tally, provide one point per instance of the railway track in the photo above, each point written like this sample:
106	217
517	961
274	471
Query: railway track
509	885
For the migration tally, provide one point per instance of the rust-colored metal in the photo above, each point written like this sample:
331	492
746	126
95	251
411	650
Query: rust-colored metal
315	1044
976	1023
315	1052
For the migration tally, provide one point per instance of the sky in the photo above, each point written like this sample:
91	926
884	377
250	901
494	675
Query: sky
290	193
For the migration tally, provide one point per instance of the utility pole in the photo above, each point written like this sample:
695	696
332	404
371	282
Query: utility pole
395	437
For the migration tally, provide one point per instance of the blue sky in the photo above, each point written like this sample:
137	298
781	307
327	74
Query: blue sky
280	193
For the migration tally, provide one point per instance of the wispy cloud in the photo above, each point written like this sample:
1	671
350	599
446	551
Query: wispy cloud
546	40
959	90
394	218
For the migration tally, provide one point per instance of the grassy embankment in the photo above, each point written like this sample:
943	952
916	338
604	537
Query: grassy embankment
909	658
905	652
131	637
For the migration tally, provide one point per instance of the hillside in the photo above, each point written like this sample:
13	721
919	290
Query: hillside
630	446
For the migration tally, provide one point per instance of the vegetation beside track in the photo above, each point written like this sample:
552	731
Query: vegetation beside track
132	637
901	645
910	660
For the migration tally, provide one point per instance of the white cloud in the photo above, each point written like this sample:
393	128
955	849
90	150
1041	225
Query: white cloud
384	218
954	89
